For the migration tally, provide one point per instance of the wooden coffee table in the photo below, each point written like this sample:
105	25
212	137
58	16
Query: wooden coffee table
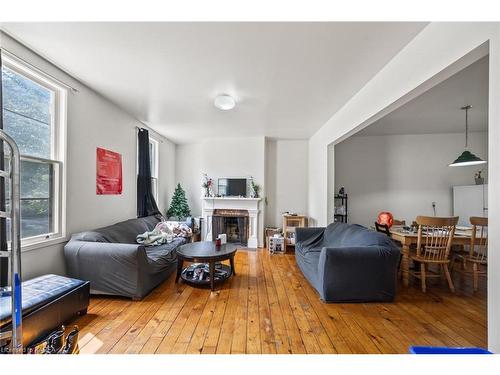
209	257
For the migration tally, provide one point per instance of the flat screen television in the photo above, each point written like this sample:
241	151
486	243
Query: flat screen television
232	187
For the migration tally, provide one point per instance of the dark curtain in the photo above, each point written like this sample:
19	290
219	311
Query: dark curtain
146	205
4	262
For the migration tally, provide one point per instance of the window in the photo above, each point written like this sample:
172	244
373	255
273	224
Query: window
153	160
33	108
153	164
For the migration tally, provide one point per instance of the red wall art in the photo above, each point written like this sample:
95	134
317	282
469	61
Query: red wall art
108	172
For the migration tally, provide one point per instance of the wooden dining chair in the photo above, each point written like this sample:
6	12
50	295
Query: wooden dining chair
477	256
435	235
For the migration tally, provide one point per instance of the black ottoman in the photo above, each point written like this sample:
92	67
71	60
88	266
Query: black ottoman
48	302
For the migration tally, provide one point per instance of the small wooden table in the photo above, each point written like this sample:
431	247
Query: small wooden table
208	255
290	223
409	238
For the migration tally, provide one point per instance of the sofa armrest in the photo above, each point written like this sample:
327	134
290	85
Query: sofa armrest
367	273
302	234
110	267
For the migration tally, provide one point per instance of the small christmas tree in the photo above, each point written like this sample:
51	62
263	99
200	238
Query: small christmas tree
179	207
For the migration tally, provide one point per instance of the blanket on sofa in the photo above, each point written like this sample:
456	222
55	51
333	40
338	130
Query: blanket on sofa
164	232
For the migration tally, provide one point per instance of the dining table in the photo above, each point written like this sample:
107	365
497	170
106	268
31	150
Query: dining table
407	238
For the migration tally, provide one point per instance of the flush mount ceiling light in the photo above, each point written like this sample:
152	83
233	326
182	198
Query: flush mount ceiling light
467	157
224	102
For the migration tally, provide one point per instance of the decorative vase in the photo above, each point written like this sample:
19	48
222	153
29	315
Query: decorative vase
479	180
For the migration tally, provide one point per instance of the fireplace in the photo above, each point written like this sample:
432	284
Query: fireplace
233	223
242	207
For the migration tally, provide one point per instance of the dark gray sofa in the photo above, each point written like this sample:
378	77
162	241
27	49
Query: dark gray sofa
114	263
348	263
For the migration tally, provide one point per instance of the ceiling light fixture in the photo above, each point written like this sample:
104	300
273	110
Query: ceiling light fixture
224	102
467	157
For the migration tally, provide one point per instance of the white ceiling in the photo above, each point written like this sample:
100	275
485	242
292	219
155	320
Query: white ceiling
288	78
438	109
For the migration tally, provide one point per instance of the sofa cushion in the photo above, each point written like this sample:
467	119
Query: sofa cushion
126	231
189	221
90	236
162	255
352	235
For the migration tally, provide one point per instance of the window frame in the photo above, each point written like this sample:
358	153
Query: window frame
58	150
155	169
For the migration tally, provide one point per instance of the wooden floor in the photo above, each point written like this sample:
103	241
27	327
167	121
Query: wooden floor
270	308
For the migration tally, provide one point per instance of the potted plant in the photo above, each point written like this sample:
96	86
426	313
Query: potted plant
255	189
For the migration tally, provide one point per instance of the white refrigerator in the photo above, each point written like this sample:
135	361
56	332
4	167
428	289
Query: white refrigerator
470	200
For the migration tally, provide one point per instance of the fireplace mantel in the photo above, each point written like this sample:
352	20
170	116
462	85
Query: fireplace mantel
231	199
209	204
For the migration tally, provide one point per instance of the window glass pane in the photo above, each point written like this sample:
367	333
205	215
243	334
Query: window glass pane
152	158
35	179
154	188
36	200
32	138
27	114
35	214
23	96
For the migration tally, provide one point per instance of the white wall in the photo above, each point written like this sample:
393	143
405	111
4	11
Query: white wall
92	122
286	179
188	170
279	166
403	174
166	173
221	157
235	157
423	60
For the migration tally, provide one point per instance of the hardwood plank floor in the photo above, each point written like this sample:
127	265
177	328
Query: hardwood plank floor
269	307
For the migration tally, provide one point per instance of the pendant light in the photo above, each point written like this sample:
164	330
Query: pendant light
467	158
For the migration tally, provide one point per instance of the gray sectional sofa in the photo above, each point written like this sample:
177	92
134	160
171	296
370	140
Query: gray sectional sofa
348	263
115	264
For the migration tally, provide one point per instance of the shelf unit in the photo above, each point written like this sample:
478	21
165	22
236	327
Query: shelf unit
290	222
340	213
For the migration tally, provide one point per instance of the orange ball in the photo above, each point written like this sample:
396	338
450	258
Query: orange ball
385	218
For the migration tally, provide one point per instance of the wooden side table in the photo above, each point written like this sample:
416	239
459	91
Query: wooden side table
290	222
